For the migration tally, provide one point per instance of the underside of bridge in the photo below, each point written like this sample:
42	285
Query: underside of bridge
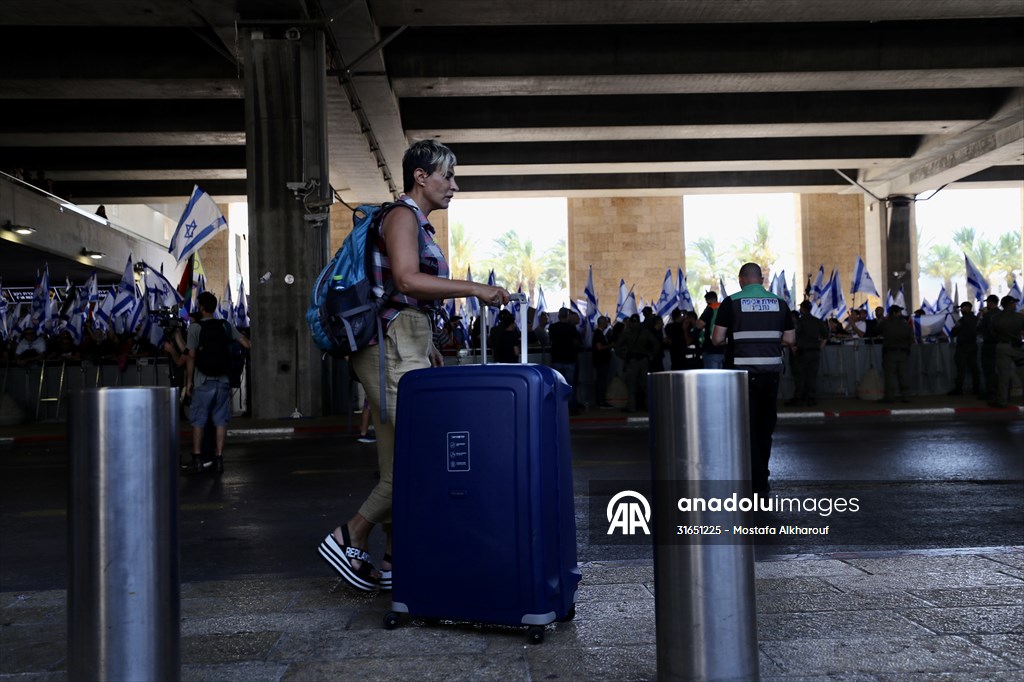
122	101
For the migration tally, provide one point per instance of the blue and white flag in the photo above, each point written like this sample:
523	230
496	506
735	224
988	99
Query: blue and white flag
200	221
226	307
685	302
76	319
623	295
140	314
41	308
669	298
472	302
242	307
591	296
158	289
932	324
786	294
944	303
629	308
92	292
721	289
542	307
124	298
818	288
491	313
838	299
862	282
773	287
584	328
1015	292
927	308
4	331
977	286
103	317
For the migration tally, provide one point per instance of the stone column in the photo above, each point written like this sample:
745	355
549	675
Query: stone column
901	261
284	82
630	238
833	232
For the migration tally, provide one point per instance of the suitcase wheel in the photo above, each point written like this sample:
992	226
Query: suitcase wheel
569	615
535	635
391	620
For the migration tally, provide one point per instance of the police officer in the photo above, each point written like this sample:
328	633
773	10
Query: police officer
754	324
965	356
988	346
811	336
1008	327
897	337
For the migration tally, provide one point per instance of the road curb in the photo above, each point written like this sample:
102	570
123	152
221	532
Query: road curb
593	422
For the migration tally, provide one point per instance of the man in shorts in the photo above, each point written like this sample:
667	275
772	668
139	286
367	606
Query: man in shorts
207	377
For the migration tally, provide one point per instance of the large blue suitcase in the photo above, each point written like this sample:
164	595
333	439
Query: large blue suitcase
484	520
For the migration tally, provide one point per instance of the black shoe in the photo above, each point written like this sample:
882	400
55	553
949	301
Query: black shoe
218	465
190	468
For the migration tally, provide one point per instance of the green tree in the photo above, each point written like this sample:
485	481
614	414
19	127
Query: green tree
1008	254
706	267
945	262
519	263
461	251
758	249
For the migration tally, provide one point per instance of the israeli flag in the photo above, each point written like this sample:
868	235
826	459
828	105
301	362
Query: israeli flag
931	324
669	297
1015	292
159	290
242	308
629	308
41	307
685	302
226	308
3	312
818	288
124	299
944	303
977	286
786	295
862	279
472	302
838	300
542	307
721	289
927	308
140	314
591	295
76	322
901	301
104	317
623	295
200	221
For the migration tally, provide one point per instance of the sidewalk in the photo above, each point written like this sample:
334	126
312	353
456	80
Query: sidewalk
920	407
950	615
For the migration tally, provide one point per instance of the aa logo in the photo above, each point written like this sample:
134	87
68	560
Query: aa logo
629	511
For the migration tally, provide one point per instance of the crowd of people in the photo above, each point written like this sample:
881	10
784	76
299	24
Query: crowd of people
643	343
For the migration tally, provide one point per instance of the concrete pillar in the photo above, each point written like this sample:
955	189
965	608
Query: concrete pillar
901	259
284	82
630	238
833	232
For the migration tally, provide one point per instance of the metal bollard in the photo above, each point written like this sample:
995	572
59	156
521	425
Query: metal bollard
704	593
123	581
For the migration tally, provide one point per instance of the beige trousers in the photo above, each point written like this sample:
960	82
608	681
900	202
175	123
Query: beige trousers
406	347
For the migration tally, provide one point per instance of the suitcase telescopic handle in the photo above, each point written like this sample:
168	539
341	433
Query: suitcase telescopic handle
524	307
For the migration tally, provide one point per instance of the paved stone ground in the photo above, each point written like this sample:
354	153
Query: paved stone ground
941	615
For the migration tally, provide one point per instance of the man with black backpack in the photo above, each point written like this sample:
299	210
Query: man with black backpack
208	376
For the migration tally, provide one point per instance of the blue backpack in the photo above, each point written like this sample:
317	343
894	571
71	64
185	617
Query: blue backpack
343	311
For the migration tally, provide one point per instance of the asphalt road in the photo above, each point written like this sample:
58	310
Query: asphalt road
950	483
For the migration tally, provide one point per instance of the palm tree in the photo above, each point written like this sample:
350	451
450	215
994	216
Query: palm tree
758	250
1008	254
461	250
706	268
944	262
520	263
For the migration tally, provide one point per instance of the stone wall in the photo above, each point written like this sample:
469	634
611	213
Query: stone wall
831	232
630	238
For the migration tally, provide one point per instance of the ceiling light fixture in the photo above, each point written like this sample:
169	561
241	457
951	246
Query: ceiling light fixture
20	229
95	255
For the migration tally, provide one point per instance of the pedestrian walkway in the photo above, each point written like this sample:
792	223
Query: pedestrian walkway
943	614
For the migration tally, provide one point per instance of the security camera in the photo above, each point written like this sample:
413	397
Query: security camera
293	34
295	186
315	217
